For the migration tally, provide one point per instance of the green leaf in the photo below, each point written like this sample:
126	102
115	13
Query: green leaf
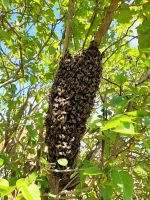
117	121
5	3
33	133
37	1
31	177
94	122
146	8
31	192
138	113
144	34
125	128
107	193
1	162
123	183
140	171
5	189
119	101
21	182
19	196
125	14
92	171
62	161
121	78
4	184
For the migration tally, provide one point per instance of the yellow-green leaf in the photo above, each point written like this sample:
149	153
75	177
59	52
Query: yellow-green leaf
62	161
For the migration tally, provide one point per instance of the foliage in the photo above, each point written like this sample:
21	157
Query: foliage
114	158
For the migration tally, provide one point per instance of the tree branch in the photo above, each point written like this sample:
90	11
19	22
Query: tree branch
106	22
69	25
144	77
121	38
92	21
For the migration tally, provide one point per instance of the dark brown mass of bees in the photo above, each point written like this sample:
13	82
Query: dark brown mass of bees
71	101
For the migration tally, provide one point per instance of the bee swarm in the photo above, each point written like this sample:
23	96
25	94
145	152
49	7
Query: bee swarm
70	103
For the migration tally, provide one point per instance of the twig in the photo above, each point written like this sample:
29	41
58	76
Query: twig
125	35
20	46
117	50
12	79
46	42
144	77
109	81
68	26
106	22
92	21
93	151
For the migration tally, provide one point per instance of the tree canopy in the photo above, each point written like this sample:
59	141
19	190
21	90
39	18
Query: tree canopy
114	155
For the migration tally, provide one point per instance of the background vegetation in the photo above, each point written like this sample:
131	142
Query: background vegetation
115	149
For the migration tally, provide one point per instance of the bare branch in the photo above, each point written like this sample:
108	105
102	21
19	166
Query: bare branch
125	35
118	49
106	22
15	78
144	77
69	25
92	21
20	46
109	81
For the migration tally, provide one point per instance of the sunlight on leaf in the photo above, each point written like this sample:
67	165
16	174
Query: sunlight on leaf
93	171
62	161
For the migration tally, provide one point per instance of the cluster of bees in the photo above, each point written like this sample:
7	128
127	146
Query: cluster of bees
70	103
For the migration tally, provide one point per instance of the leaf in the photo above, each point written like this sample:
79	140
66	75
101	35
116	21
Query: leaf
31	192
25	182
1	162
37	1
94	122
117	121
5	3
62	161
19	196
123	183
121	78
146	8
4	184
31	177
124	15
92	171
33	133
138	113
5	189
107	193
144	34
21	182
119	101
125	128
140	171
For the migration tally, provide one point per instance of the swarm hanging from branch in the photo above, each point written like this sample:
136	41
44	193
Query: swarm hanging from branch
71	100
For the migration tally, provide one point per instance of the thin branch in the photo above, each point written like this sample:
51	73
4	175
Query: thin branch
12	79
109	81
118	49
5	66
20	46
46	42
69	25
94	150
8	57
92	21
144	77
125	35
106	22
